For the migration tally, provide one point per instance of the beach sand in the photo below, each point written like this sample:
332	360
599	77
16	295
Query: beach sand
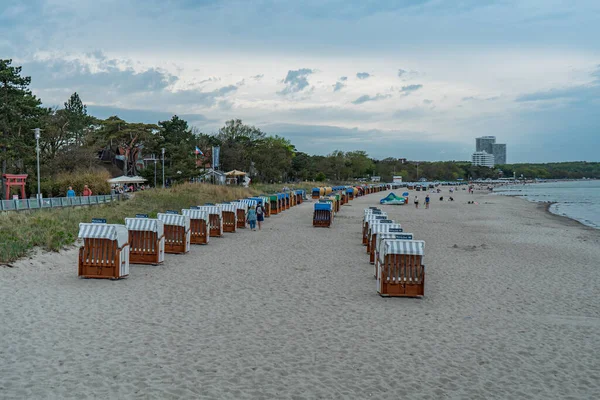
511	310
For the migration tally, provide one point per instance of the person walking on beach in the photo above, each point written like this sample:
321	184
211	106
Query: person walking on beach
71	192
416	202
87	191
260	215
252	218
427	201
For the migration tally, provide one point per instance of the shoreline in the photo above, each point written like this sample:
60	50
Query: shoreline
545	205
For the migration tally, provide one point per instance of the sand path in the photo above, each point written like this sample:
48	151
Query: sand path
291	312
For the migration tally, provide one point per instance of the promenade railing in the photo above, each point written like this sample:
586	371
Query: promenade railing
57	202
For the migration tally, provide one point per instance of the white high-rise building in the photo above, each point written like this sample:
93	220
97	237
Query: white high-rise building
483	159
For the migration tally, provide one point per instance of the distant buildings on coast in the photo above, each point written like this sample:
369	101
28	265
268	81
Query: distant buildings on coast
488	153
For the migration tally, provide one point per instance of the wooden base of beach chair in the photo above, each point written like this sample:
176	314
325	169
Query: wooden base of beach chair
401	276
299	199
274	208
146	247
176	239
198	231
364	233
103	259
241	218
229	222
322	218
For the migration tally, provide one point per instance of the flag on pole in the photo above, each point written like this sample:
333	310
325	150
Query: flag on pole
198	151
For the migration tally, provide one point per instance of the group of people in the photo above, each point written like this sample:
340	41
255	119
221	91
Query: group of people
428	200
86	191
416	201
256	214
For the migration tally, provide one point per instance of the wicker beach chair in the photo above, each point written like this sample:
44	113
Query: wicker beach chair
177	232
401	271
323	214
146	240
379	226
199	225
369	218
105	251
387	236
241	213
230	216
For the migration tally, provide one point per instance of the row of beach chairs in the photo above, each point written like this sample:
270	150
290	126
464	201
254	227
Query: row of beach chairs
109	249
397	257
350	191
334	198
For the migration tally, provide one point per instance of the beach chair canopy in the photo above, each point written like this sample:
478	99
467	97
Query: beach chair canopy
391	236
372	212
378	227
249	202
374	217
196	214
211	210
241	205
407	247
104	231
228	207
175	220
145	224
323	206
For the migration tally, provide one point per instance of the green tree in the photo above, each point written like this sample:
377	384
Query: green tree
78	119
179	143
273	159
20	112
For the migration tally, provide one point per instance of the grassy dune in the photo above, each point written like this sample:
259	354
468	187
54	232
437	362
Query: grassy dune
52	230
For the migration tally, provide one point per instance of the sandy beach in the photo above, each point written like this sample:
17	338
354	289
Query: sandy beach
511	311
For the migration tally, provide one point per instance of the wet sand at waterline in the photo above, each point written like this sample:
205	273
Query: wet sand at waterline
511	310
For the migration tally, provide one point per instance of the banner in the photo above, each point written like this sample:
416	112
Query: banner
215	157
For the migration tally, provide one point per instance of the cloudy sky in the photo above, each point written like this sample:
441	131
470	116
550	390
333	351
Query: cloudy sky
397	78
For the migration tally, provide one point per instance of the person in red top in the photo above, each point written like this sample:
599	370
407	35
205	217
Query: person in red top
87	191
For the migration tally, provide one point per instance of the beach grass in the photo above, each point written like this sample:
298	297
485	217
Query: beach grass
53	229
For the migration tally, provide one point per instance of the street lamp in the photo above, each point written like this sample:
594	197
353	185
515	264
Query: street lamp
417	171
163	162
37	148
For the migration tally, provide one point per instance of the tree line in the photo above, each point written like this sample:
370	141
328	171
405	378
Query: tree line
74	142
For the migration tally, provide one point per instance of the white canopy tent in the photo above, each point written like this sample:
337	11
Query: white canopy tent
127	179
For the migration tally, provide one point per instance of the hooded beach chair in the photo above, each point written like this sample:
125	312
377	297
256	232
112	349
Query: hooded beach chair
215	220
146	240
230	217
401	271
105	251
369	218
384	226
323	214
274	201
388	236
241	213
199	225
177	232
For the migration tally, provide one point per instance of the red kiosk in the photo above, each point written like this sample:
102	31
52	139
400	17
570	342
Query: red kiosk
14	180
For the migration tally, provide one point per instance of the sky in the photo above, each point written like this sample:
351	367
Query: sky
416	79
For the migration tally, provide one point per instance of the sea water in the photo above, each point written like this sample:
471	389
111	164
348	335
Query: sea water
578	200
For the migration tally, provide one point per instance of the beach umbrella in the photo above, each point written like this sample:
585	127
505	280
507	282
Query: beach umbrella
235	172
127	179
